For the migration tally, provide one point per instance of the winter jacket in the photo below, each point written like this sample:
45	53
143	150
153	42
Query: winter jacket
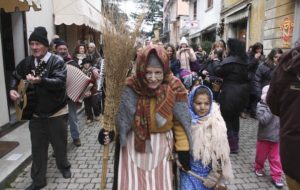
262	78
234	92
284	100
253	64
175	66
51	92
268	127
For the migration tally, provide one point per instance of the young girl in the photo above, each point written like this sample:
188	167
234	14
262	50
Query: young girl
210	149
267	145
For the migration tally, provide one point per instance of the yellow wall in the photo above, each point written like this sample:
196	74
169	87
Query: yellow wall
276	11
257	16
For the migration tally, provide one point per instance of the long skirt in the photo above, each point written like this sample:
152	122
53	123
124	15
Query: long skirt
146	171
189	182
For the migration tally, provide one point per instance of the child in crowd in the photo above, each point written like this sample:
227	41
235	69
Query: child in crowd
210	149
267	145
91	105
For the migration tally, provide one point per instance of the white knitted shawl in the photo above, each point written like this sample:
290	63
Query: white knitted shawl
210	144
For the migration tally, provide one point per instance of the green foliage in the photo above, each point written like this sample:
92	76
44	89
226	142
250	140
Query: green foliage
206	45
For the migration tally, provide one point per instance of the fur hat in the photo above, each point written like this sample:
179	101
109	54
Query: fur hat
183	41
40	35
264	93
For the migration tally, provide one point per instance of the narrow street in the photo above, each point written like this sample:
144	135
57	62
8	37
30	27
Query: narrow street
86	163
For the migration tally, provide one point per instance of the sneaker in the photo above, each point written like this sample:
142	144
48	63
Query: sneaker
278	183
77	142
97	118
259	173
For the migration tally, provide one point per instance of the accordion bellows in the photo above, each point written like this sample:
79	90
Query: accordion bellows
77	83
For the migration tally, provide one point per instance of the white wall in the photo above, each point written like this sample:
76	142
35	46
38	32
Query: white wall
43	17
206	17
18	36
4	117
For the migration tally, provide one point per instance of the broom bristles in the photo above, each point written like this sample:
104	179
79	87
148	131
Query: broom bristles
118	51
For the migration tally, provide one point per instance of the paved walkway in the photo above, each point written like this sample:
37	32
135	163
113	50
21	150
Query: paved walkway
86	163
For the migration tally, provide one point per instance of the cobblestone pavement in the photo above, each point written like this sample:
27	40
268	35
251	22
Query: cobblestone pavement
86	163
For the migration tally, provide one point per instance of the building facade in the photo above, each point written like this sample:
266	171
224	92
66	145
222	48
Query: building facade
18	18
205	19
175	19
281	24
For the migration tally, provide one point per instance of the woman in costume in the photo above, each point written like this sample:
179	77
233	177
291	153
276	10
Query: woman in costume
210	150
153	115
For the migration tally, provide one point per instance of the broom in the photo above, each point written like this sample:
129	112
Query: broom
118	50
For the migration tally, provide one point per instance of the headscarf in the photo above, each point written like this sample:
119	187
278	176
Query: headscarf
195	116
170	91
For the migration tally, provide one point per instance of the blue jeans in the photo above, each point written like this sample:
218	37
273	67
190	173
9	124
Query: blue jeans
73	120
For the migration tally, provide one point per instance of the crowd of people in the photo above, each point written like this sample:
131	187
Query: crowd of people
180	108
223	85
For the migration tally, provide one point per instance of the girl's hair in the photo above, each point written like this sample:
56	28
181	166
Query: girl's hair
217	43
202	91
236	48
219	53
271	55
172	47
257	46
224	44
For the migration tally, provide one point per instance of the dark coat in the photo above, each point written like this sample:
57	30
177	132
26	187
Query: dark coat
262	78
234	93
51	92
175	66
253	64
284	100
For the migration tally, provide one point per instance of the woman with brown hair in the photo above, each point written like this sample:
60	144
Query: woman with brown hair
80	54
265	71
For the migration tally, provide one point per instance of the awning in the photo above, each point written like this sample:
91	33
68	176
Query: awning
204	31
241	13
78	12
10	6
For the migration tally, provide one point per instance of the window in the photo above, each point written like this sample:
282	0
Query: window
210	3
195	10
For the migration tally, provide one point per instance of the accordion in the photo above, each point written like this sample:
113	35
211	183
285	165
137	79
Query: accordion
77	83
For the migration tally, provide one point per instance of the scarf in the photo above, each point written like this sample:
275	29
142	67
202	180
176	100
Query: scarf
195	116
170	91
209	135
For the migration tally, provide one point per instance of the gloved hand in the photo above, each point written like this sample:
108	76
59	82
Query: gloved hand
184	159
105	137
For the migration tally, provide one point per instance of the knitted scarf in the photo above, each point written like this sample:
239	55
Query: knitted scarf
170	91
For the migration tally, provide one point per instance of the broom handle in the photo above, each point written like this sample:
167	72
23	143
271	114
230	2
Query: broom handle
190	172
104	166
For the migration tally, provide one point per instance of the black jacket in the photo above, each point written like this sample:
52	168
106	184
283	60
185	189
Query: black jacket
50	94
234	92
262	78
